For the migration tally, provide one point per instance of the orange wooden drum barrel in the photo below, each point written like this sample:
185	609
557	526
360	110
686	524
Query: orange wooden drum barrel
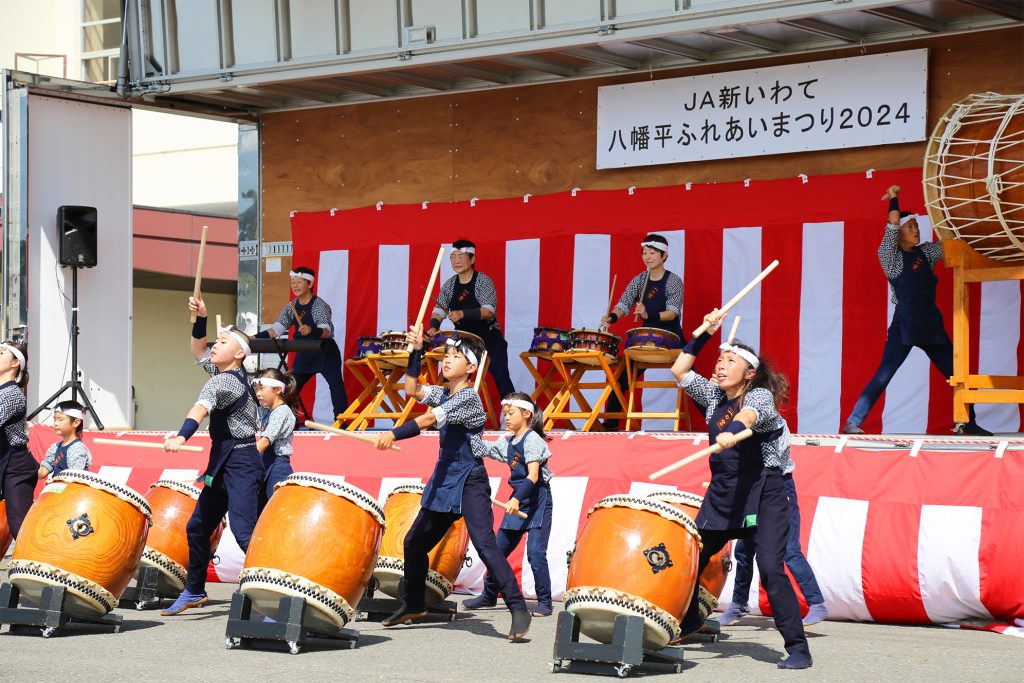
712	580
635	556
83	533
444	561
974	175
317	539
172	503
5	533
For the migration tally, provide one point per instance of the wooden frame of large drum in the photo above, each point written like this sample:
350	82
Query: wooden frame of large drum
84	534
444	561
290	554
635	556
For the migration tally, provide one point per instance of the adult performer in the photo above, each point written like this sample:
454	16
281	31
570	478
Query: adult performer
470	300
909	265
746	497
314	322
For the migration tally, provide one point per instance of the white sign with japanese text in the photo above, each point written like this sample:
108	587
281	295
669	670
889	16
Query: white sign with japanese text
855	102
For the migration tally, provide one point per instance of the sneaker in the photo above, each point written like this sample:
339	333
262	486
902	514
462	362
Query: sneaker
815	613
797	660
403	616
735	612
185	601
479	602
542	611
520	625
851	428
973	429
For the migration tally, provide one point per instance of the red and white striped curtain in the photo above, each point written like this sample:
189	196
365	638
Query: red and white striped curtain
821	316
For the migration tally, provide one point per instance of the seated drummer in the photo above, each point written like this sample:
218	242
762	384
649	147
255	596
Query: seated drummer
471	302
314	323
655	297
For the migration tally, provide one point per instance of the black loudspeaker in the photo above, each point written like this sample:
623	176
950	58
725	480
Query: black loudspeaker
76	230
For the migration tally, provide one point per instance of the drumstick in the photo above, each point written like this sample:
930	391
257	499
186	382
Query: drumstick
342	432
295	312
502	506
611	293
742	293
436	302
143	444
647	275
199	270
218	326
710	450
479	373
426	295
735	326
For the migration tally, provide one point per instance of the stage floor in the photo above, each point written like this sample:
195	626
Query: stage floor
191	647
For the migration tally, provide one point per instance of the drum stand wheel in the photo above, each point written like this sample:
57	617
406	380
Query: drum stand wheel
288	629
619	658
146	592
377	609
50	616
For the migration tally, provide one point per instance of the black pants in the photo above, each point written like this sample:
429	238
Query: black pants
332	372
497	353
430	527
19	483
769	538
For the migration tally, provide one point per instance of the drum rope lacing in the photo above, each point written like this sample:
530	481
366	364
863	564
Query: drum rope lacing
92	480
179	486
167	564
581	596
684	497
357	496
665	510
434	578
310	589
71	581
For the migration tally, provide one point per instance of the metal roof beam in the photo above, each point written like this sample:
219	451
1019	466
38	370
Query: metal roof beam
366	89
474	72
298	93
413	80
536	64
902	16
604	57
824	29
1004	8
237	97
675	49
749	40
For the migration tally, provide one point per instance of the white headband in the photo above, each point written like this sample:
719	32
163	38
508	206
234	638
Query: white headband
906	219
270	382
304	276
73	413
464	250
519	403
21	359
457	343
660	246
742	353
238	338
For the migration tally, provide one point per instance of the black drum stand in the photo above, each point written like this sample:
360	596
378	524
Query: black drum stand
146	592
51	615
377	609
289	628
625	653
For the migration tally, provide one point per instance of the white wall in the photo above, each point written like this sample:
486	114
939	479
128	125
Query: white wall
81	154
41	26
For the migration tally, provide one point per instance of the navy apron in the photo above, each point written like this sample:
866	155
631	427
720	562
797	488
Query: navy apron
653	299
310	363
737	476
917	318
222	442
443	493
463	298
274	465
8	453
60	460
534	505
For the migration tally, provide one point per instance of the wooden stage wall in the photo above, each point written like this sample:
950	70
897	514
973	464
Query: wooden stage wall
539	139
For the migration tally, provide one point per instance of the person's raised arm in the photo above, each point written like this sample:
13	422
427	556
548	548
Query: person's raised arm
199	333
686	357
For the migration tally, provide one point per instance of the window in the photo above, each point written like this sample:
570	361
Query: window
101	40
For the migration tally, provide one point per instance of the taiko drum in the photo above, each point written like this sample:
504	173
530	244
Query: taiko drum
712	579
317	539
83	533
5	533
172	503
635	556
444	561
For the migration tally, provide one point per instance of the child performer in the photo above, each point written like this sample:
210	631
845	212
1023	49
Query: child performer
459	486
17	466
526	453
234	474
276	392
69	453
746	497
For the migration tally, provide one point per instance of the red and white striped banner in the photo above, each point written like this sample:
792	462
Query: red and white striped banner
821	316
931	538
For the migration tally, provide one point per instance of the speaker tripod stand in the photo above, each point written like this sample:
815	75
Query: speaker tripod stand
74	384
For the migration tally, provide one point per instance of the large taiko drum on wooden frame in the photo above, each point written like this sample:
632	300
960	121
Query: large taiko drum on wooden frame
974	175
317	539
5	533
444	562
713	578
172	503
635	556
85	534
